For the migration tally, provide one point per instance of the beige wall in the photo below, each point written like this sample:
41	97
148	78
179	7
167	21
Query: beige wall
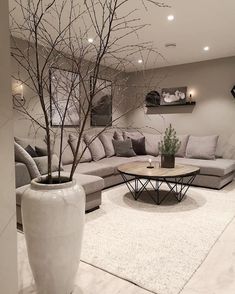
23	126
8	265
210	81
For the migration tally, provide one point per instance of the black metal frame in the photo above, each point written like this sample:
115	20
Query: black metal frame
176	186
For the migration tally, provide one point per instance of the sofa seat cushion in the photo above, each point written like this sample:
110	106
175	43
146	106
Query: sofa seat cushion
218	167
92	168
90	184
116	161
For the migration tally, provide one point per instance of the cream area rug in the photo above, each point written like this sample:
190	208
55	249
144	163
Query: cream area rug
156	247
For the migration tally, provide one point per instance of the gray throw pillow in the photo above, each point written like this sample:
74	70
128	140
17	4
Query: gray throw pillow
106	139
22	156
42	161
31	151
139	146
40	151
202	147
123	148
86	157
184	141
95	146
151	143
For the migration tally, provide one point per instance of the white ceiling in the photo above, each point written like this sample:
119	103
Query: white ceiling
197	23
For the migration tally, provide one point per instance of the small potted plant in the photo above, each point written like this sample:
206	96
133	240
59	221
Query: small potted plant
168	147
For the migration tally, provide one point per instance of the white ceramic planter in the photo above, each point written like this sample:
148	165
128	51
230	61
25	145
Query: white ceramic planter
53	221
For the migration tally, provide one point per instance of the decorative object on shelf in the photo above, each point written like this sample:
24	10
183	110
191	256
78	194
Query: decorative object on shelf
233	91
53	226
153	98
101	109
18	95
168	147
173	96
150	163
63	82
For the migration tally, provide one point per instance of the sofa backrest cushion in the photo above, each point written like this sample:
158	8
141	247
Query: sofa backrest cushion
118	135
229	149
183	144
95	146
106	139
42	164
132	135
202	147
151	143
84	154
22	156
124	148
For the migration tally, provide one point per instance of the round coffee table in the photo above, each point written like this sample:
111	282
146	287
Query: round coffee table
178	179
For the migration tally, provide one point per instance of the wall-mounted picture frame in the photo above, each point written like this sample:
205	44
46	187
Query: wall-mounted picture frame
64	93
101	110
174	96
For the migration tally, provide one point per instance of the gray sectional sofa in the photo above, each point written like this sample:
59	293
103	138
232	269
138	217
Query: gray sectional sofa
102	173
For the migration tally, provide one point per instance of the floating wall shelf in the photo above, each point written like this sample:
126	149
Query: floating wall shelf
171	108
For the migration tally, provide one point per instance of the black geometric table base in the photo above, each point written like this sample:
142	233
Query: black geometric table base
176	186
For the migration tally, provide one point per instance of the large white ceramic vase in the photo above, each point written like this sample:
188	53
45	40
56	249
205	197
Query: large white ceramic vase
53	222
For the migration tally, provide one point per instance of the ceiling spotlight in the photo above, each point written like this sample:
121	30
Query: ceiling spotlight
206	48
170	17
90	40
140	61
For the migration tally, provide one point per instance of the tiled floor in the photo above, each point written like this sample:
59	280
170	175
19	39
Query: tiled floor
215	276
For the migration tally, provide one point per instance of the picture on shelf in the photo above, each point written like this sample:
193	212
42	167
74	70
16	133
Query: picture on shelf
61	97
101	110
174	96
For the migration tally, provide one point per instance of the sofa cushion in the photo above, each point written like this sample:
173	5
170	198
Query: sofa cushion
31	151
202	147
95	146
229	148
123	148
92	168
86	157
42	164
132	135
184	141
22	156
218	167
22	176
118	136
151	143
106	139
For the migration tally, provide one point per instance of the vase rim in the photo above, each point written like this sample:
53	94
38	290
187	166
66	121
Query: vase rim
38	184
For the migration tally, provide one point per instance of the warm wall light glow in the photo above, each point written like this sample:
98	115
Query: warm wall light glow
140	61
170	17
90	40
206	48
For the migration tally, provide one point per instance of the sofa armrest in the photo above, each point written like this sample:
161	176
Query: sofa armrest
22	176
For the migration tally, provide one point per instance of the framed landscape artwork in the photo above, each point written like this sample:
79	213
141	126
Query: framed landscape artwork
101	110
64	88
174	96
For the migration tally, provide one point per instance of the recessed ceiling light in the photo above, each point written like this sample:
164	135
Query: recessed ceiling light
170	17
90	40
206	48
140	61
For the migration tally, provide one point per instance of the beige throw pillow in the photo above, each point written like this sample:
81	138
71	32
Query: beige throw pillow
42	164
106	139
151	143
184	141
86	157
202	147
95	146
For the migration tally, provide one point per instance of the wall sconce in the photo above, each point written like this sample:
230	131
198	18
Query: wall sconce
18	95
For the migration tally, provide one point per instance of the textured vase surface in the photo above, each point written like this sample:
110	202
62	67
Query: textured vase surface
53	222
